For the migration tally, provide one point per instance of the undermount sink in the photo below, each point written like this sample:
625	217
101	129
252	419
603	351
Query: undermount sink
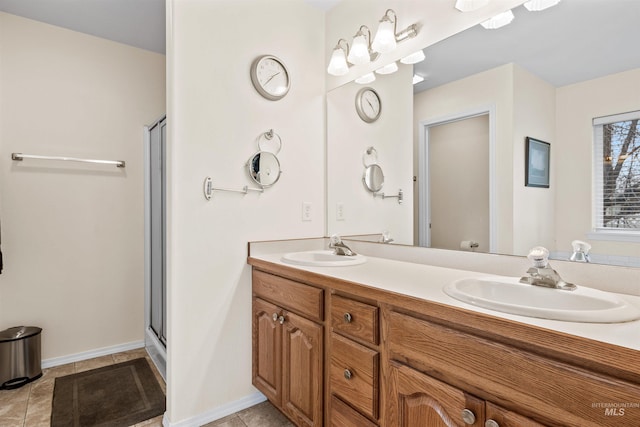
508	295
322	259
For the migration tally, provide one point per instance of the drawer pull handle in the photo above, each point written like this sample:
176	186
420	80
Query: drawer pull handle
281	320
491	423
347	317
274	317
347	374
468	417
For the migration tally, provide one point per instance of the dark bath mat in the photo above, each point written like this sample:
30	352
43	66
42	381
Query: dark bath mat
118	395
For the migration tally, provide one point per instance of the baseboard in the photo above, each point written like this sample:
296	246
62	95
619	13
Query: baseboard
57	361
219	412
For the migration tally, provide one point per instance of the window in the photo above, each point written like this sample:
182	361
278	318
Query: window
617	174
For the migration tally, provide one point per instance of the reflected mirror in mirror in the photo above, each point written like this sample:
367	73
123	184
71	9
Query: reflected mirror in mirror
264	168
546	75
373	178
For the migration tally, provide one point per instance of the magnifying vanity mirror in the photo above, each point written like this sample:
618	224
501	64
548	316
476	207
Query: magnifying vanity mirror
552	93
373	178
264	168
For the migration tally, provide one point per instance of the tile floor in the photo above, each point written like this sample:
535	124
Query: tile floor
30	405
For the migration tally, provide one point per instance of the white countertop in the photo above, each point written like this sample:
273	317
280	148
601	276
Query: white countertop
426	282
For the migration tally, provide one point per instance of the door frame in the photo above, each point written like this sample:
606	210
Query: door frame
424	191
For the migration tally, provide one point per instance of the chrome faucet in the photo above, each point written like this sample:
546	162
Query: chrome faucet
580	251
541	274
385	237
339	248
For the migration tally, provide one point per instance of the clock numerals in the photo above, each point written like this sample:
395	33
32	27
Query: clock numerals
270	77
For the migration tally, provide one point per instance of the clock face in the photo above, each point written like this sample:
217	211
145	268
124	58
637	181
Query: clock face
270	77
368	104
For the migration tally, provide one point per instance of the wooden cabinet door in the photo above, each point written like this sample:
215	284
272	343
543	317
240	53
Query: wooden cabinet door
417	400
302	370
505	418
267	350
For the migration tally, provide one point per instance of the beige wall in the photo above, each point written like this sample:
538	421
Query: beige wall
215	116
72	234
493	88
533	208
577	105
348	138
524	106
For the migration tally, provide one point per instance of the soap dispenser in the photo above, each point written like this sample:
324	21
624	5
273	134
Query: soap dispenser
580	251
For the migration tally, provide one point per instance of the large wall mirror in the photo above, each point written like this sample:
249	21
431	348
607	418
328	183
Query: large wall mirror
458	138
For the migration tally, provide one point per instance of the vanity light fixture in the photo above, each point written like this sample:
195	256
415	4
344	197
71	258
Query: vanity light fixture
498	21
414	58
388	69
538	5
367	78
338	64
387	36
417	79
361	52
470	5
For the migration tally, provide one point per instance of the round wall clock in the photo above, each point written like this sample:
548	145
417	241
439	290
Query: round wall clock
368	104
270	77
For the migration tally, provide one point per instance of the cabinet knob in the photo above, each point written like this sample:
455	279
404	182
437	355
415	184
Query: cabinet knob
468	417
347	317
491	423
347	374
281	320
274	317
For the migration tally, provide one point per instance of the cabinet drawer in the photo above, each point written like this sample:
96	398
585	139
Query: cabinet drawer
354	374
343	416
354	318
541	388
295	296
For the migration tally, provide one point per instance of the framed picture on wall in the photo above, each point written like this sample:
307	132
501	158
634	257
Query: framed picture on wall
536	170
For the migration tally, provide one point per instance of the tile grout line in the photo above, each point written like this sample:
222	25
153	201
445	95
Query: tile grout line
26	407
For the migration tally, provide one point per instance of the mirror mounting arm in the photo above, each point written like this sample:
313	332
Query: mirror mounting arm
399	196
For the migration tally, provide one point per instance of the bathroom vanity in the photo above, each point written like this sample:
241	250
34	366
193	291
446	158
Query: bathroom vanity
380	344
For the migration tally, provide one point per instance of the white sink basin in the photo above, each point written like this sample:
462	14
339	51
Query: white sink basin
322	259
507	295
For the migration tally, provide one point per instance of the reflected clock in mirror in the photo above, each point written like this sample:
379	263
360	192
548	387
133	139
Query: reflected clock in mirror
373	178
368	104
264	168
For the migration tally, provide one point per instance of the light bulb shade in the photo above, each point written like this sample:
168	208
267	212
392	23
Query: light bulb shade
367	78
537	5
388	69
359	53
417	79
414	58
498	21
470	5
338	64
385	39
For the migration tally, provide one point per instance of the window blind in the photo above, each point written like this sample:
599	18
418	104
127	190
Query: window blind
616	202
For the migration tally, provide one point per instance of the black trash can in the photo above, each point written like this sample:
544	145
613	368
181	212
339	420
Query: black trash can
20	358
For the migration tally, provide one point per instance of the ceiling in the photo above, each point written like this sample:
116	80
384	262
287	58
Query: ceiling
576	40
139	23
558	45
